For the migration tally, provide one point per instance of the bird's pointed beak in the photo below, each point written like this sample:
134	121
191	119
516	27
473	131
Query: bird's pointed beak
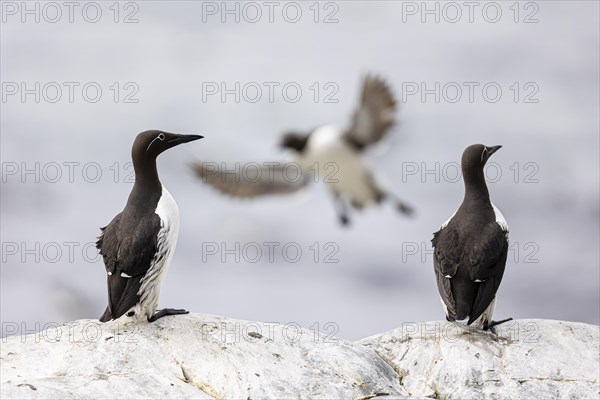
178	139
491	150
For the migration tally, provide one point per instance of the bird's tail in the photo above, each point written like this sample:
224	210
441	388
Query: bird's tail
107	316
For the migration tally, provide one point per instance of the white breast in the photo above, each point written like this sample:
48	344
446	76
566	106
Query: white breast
500	220
168	212
323	137
339	165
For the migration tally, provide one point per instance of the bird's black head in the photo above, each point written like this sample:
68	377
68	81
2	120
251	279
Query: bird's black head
473	160
476	155
294	141
149	144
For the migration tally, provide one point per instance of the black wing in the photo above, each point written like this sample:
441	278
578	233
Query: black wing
487	263
446	259
259	180
127	248
375	114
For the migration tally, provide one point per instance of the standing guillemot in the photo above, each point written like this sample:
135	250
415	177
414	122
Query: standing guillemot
470	249
333	153
138	244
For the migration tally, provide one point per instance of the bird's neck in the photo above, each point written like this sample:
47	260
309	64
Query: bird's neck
476	191
147	187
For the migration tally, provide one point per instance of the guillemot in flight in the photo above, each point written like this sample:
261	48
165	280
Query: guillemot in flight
328	153
470	249
138	244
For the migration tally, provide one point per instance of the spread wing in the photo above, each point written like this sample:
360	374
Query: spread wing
375	114
487	263
127	255
253	179
446	259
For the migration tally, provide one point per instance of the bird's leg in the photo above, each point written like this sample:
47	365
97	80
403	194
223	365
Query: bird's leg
492	324
167	311
402	206
342	209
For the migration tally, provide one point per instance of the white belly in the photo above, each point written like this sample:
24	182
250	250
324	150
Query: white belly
338	165
168	212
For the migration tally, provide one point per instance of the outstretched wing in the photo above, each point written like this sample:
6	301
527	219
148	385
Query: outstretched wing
446	259
127	255
375	114
487	262
253	179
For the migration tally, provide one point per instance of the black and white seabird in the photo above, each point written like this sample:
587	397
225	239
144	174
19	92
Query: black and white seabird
138	244
470	249
333	151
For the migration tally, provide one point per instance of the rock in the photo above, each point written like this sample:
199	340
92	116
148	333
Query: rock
202	356
529	359
191	356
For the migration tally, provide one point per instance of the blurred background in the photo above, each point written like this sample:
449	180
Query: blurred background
107	72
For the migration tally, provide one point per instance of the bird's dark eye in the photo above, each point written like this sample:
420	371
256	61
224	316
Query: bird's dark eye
161	136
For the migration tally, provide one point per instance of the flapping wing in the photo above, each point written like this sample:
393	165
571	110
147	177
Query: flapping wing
126	259
487	263
446	259
375	114
253	179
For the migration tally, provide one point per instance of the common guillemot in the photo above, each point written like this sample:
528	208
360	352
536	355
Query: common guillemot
138	244
331	152
471	247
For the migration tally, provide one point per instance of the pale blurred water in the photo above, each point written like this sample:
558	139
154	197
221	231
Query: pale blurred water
375	285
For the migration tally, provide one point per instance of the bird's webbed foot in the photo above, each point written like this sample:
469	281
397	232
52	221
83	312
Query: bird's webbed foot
490	326
167	311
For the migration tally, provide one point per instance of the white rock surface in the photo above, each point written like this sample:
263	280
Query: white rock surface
202	356
529	359
191	356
